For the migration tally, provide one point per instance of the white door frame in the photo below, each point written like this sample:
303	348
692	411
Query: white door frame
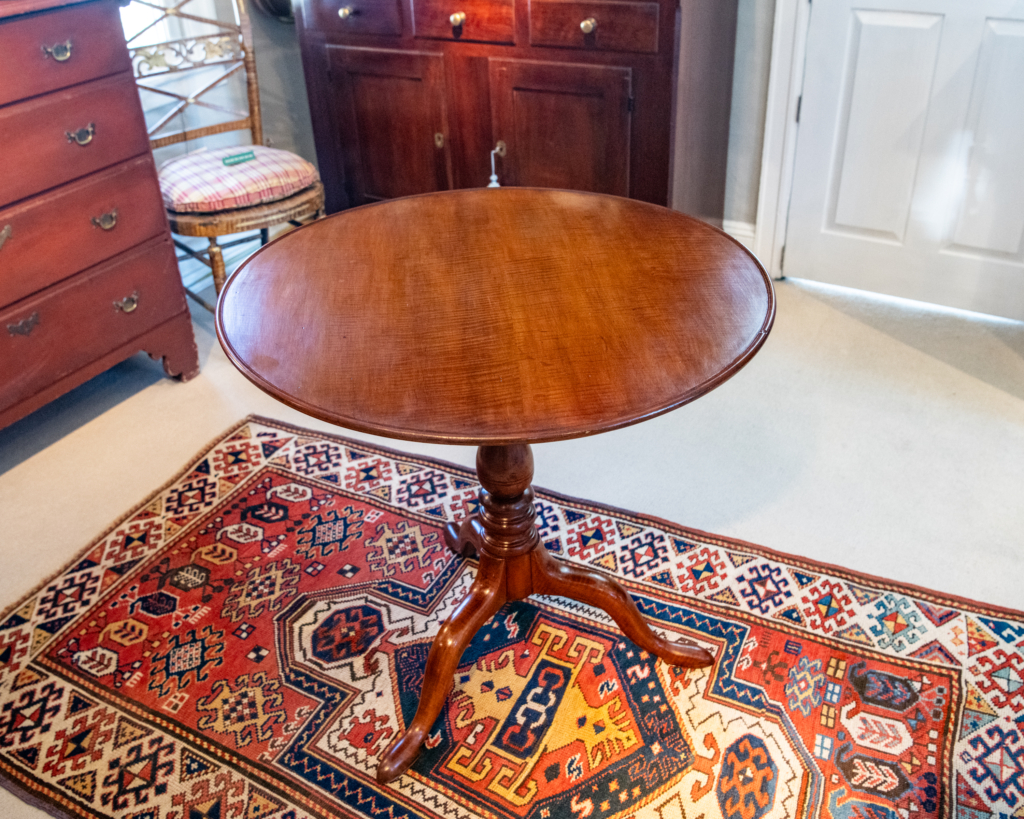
785	81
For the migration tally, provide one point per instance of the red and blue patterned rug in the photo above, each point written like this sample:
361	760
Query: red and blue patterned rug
245	643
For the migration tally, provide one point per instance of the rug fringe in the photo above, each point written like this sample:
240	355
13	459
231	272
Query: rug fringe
20	792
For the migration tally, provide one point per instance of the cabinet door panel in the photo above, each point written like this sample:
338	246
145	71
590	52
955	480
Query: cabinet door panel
391	122
564	125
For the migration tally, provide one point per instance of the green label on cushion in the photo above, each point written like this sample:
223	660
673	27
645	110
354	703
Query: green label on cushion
238	159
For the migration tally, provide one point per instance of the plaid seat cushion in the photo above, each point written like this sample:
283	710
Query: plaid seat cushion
202	183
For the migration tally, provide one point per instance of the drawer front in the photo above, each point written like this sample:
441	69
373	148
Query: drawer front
47	238
615	26
44	52
490	21
358	17
67	134
49	336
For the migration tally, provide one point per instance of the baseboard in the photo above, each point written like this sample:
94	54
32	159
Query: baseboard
741	231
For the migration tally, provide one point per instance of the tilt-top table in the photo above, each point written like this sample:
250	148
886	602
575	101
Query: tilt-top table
499	318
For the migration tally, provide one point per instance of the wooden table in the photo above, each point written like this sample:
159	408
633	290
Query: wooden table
499	318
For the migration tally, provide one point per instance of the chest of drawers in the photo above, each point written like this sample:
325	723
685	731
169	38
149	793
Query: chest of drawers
88	276
612	96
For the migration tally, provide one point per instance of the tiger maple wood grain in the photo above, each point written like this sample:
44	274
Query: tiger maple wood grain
495	316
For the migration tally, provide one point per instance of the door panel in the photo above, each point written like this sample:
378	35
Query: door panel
891	66
391	122
564	125
992	217
909	172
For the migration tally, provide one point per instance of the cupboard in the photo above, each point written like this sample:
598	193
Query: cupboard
411	96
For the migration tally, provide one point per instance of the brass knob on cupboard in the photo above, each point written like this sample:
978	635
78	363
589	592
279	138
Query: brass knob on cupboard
345	12
588	26
457	19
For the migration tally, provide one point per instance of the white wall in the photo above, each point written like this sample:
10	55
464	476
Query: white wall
749	97
286	122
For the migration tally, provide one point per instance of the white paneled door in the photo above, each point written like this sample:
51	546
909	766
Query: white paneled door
909	170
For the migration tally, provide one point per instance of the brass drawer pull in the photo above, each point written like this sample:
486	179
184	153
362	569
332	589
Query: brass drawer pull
345	12
128	303
108	221
60	52
83	136
457	19
23	327
5	234
588	26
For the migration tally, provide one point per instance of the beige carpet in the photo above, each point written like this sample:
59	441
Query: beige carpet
882	436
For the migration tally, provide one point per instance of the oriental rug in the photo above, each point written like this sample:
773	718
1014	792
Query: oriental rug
245	643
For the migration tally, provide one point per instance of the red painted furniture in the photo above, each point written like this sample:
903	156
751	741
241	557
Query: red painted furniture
87	273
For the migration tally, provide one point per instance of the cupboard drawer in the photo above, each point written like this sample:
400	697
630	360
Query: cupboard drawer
44	52
490	21
49	336
358	17
68	134
53	236
616	26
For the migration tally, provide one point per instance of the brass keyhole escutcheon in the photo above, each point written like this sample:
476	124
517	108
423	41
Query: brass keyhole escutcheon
60	52
588	26
501	148
438	140
83	136
108	221
128	303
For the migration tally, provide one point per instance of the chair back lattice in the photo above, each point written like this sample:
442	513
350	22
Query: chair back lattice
228	47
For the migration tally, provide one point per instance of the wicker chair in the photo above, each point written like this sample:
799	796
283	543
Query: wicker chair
213	193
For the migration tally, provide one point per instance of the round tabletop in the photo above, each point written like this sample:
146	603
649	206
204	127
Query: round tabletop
495	316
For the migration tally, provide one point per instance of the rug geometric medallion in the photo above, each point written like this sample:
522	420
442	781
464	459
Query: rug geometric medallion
245	643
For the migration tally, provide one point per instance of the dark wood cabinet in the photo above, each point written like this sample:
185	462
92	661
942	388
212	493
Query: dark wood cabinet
410	96
398	93
588	149
88	275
